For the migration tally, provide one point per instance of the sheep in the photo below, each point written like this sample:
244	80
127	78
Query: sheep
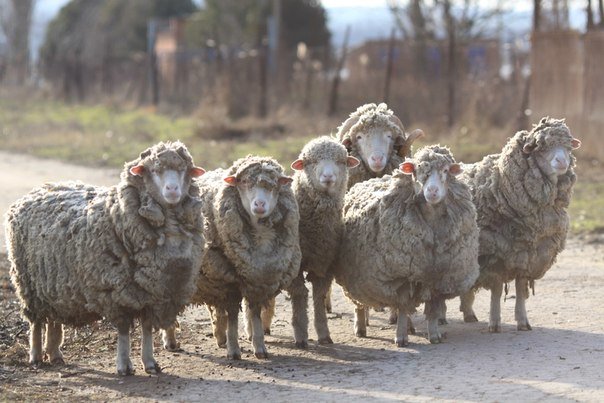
409	238
252	248
376	136
319	186
521	196
80	253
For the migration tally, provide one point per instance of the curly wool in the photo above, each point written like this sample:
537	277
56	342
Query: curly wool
371	116
521	209
398	251
79	253
320	212
240	260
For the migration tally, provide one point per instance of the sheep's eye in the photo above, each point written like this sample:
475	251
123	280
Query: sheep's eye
446	170
359	137
389	136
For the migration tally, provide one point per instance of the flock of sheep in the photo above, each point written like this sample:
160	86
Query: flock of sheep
394	230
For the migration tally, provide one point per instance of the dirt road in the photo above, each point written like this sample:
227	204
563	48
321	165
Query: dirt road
561	359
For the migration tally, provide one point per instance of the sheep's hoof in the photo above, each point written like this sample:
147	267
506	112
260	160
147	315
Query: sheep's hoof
172	347
471	318
402	343
302	344
392	319
125	371
267	332
36	362
361	333
221	345
234	356
328	309
153	369
525	326
410	327
325	340
262	354
436	339
57	361
495	328
443	321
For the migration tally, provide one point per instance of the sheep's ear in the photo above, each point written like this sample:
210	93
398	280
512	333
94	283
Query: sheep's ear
575	143
285	180
196	171
455	169
407	167
231	180
352	162
137	170
528	148
297	165
347	142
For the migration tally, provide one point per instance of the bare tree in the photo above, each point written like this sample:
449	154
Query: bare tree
590	16
601	12
15	22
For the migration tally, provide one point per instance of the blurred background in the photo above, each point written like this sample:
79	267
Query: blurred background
96	81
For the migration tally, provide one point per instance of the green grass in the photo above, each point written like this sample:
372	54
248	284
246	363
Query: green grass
587	207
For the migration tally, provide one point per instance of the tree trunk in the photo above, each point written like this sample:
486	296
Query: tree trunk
19	39
389	66
536	15
590	16
335	86
452	65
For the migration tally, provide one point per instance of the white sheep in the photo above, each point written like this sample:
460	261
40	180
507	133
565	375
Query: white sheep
252	248
521	196
80	253
409	238
319	187
376	136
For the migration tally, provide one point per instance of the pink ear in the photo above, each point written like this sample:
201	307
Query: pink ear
297	165
407	167
196	171
285	180
137	170
346	142
231	180
352	162
455	169
575	143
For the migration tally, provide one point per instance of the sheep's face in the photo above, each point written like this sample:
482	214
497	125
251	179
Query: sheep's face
375	146
554	159
327	175
167	177
259	193
431	178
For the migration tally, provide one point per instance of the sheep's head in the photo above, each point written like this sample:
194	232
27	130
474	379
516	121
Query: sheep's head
258	181
550	143
166	170
375	133
325	162
432	169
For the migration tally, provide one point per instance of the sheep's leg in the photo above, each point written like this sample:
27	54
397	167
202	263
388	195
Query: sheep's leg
360	321
299	297
402	338
168	336
124	365
393	319
495	314
442	317
54	340
232	334
35	343
522	294
267	314
253	312
248	322
433	314
219	320
151	366
328	307
320	288
466	306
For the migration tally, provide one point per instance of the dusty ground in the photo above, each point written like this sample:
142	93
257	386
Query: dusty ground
562	359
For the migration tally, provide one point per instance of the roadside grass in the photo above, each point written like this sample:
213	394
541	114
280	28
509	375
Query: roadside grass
105	135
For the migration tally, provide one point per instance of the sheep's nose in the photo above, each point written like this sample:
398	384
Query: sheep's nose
259	203
171	187
328	177
377	158
432	190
